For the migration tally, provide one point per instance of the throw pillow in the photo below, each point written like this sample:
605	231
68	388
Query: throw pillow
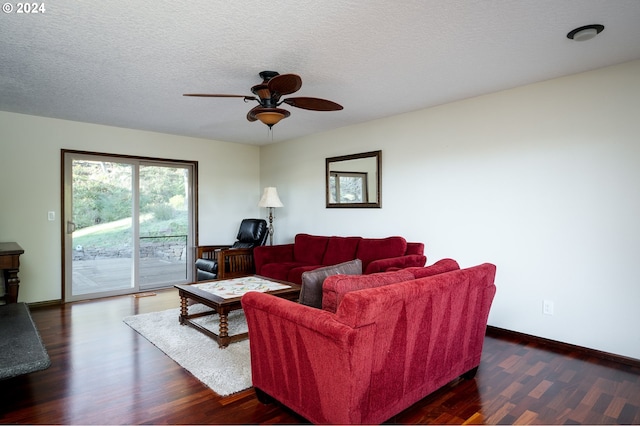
311	291
370	249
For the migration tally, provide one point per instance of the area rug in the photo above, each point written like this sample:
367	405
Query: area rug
21	349
225	371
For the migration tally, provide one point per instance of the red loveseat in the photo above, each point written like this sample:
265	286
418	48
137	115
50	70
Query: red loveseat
383	349
288	262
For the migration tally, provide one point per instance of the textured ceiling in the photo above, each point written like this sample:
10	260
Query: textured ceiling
127	63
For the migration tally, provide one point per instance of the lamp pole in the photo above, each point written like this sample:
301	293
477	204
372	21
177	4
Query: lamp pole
271	225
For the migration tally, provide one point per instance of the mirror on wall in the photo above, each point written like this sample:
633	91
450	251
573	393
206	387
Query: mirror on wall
354	180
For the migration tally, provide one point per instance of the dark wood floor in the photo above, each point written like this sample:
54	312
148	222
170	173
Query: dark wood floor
103	372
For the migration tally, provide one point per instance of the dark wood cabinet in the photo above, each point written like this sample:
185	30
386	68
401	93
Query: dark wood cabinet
9	266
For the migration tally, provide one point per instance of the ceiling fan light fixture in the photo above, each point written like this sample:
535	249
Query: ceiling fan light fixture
271	116
586	32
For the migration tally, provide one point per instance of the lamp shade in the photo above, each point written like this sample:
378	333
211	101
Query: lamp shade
270	198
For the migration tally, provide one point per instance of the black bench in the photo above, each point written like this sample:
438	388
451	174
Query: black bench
21	349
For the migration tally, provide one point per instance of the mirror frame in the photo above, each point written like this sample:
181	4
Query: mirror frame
378	192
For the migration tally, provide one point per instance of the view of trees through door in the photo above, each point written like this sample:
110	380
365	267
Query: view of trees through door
129	225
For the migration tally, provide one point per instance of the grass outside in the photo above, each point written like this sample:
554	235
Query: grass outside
119	232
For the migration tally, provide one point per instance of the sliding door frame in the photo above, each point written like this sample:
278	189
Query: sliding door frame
191	248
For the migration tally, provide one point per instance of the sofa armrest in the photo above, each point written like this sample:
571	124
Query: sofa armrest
272	254
307	359
401	262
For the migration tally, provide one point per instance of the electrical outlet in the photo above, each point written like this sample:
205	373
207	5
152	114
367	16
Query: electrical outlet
547	307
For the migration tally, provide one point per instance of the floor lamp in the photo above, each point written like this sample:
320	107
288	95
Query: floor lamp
270	200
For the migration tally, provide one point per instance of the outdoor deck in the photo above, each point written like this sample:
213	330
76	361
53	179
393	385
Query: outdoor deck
109	274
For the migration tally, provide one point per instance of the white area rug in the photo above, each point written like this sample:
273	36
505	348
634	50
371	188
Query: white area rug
225	371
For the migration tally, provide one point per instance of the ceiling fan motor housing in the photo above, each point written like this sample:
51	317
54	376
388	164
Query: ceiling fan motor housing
262	91
268	75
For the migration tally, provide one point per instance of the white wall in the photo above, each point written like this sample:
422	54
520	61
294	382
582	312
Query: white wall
540	180
30	186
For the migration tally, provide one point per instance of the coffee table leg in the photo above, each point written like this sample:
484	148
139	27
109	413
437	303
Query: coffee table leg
184	310
223	335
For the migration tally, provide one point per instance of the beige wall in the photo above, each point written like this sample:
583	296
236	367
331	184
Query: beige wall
541	180
30	186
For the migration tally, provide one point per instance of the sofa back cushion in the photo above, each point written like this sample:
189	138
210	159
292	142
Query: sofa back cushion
370	249
335	287
311	291
440	267
309	249
340	249
415	248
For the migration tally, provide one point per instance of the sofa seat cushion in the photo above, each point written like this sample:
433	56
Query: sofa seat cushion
309	249
335	287
340	250
311	292
279	271
370	249
295	274
440	267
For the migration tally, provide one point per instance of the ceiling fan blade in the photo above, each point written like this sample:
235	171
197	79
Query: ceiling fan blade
213	95
284	84
313	104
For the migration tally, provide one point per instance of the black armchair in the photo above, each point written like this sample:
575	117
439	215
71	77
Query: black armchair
236	258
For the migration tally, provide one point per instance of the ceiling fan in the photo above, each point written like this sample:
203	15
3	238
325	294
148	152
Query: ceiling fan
268	94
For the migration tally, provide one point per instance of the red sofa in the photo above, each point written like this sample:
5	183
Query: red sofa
288	262
386	346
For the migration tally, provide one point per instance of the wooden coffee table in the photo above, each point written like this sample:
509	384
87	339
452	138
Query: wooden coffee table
222	306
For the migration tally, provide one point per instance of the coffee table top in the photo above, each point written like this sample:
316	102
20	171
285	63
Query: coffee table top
230	291
237	287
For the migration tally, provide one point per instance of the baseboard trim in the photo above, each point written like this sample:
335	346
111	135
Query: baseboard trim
45	303
561	346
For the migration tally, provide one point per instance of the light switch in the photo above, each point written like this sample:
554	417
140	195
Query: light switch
51	216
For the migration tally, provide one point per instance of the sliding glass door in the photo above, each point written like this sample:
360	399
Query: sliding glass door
163	221
129	224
